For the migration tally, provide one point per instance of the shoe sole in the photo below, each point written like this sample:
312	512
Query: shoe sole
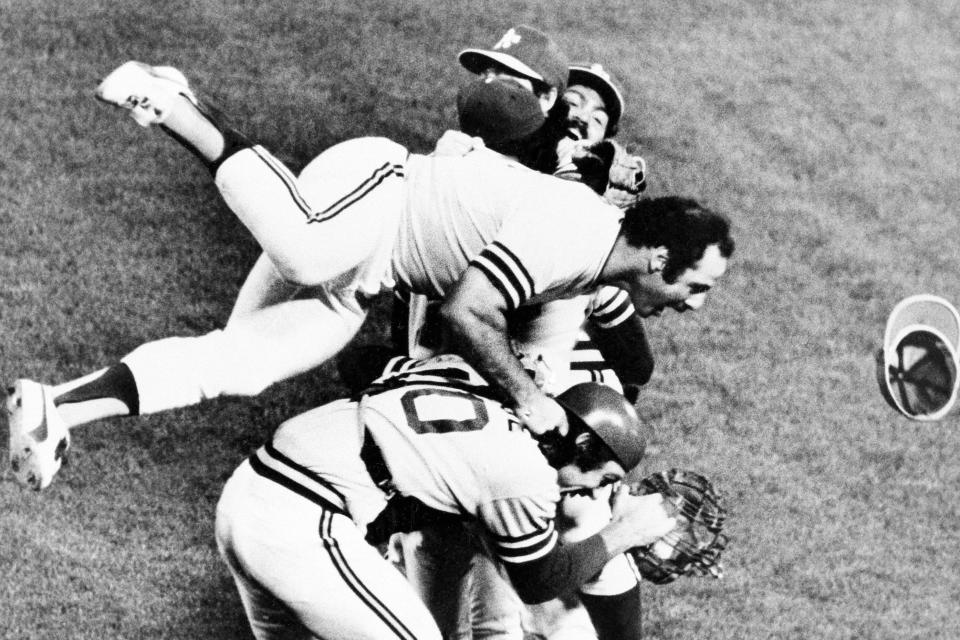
26	445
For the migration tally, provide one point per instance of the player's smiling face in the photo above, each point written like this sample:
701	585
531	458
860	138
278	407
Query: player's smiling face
588	118
573	479
651	294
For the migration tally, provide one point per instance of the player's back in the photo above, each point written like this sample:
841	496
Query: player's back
457	204
449	441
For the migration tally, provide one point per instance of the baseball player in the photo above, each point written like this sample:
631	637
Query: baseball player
552	332
295	521
363	217
525	56
553	345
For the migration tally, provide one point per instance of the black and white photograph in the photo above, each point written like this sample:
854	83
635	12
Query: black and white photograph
499	320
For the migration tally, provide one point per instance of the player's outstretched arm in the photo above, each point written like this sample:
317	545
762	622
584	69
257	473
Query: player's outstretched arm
474	315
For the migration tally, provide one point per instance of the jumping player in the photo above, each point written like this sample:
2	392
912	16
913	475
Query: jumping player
295	521
364	217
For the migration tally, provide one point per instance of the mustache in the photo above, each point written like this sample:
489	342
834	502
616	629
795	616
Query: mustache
578	125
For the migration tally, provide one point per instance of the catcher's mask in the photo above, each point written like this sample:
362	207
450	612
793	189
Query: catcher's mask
693	547
917	366
608	414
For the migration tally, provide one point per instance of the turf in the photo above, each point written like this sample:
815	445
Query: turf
827	130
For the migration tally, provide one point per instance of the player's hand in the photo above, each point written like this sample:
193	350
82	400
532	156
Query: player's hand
627	172
456	143
645	517
543	414
627	179
593	164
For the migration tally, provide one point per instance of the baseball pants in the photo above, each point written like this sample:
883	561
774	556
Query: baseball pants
305	572
334	226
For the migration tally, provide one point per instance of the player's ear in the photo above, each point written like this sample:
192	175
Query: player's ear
548	99
658	261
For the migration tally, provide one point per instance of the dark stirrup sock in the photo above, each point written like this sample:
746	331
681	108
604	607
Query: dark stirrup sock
233	140
116	382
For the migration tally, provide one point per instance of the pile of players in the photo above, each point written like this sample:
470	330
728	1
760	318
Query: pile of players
483	448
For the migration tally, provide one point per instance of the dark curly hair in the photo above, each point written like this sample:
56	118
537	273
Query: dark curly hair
682	225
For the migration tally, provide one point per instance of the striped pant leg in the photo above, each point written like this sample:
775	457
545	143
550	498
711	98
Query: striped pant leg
327	221
301	566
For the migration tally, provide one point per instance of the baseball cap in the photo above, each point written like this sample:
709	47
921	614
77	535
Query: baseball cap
600	80
525	51
917	366
498	111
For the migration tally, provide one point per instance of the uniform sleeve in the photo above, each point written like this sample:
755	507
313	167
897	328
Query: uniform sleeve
521	529
563	569
523	535
625	348
611	306
553	244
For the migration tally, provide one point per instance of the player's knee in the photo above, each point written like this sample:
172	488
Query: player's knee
231	365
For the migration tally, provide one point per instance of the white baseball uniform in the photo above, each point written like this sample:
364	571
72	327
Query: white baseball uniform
292	520
366	216
551	341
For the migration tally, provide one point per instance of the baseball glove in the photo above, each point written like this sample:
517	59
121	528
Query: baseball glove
694	546
626	177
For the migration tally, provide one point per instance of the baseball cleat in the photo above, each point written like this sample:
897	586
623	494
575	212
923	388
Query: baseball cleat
39	438
149	93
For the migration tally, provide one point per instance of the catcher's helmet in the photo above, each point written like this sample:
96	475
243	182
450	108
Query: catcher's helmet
609	415
693	547
917	366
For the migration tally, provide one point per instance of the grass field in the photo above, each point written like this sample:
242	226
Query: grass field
827	130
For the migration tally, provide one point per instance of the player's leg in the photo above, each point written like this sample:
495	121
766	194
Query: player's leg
314	561
342	211
496	610
263	287
437	563
162	96
263	348
343	207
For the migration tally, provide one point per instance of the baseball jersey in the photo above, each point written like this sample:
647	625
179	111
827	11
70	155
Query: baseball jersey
551	341
533	235
446	442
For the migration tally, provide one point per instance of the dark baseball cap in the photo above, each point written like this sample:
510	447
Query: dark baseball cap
524	50
498	111
600	80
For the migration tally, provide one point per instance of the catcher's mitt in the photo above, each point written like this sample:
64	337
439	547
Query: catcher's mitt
694	546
